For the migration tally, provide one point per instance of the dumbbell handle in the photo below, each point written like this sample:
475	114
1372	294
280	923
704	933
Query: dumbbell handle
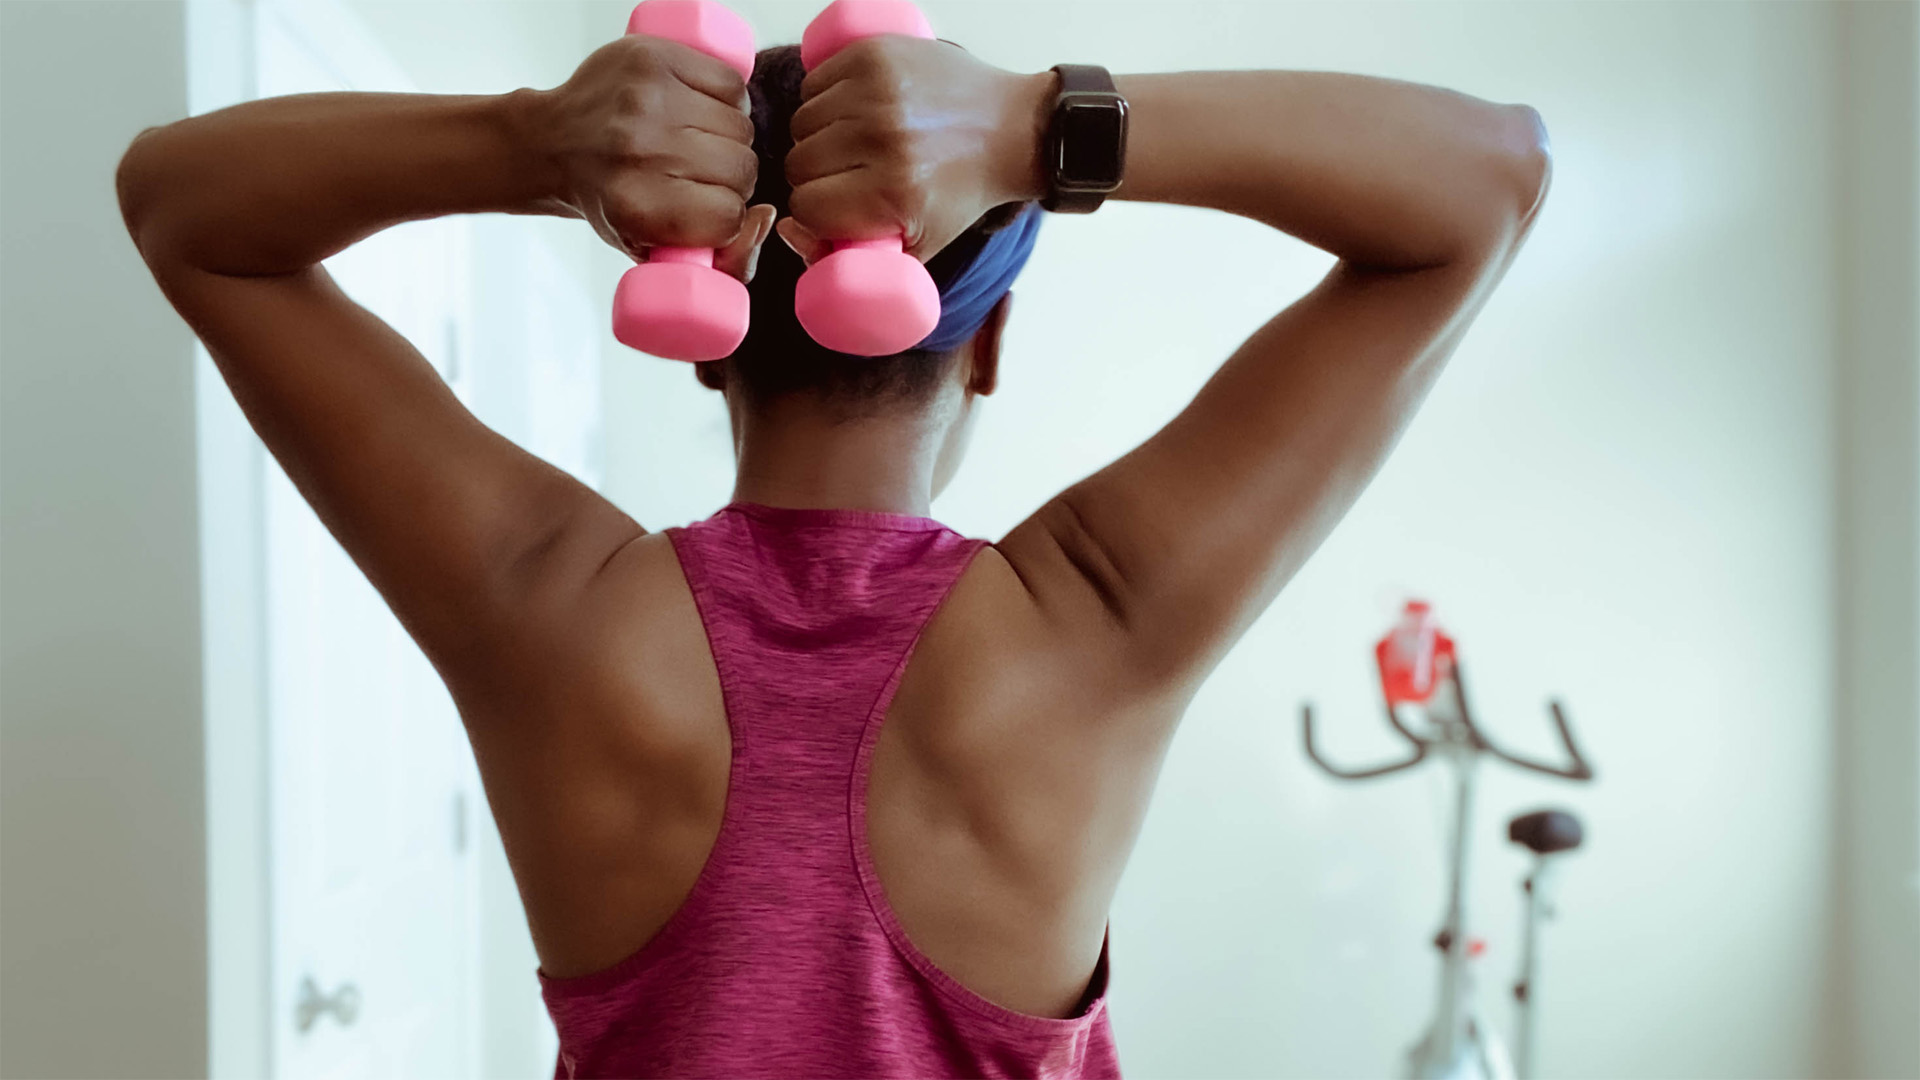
692	23
686	314
869	297
689	256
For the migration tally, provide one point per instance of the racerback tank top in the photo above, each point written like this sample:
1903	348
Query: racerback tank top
785	960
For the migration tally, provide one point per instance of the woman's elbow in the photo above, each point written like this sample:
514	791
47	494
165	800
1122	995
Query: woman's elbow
136	184
129	184
1526	164
1511	166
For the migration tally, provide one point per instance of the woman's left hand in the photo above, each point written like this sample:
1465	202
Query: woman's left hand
901	136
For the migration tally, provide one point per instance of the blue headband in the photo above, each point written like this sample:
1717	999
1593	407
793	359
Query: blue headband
967	300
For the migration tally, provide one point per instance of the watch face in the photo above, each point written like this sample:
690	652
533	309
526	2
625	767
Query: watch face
1091	153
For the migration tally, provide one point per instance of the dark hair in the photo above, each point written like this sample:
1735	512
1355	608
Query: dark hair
778	358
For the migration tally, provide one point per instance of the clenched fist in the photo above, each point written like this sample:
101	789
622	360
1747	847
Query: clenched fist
909	137
653	144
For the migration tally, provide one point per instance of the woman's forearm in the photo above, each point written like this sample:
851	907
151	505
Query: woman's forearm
273	186
1382	174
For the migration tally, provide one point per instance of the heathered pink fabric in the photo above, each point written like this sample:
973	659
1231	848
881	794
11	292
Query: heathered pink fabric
785	960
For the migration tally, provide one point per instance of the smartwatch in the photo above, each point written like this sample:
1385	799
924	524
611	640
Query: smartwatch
1086	148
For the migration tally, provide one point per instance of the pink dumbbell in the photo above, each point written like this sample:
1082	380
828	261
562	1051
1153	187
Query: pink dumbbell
676	304
868	298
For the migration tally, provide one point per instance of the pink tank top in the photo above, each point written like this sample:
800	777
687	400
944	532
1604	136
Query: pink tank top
785	960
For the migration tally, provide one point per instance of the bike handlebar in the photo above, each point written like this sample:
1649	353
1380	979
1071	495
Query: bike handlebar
1313	752
1579	768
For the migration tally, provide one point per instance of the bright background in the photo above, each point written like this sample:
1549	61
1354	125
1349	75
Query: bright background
1671	478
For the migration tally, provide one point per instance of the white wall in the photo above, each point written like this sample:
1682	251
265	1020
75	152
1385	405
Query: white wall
1877	1008
103	895
1621	493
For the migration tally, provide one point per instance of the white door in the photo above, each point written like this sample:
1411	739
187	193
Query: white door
370	779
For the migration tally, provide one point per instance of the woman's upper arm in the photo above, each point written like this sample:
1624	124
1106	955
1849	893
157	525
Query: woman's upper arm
453	523
1162	559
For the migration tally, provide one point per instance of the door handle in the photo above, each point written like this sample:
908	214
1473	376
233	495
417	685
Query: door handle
343	1003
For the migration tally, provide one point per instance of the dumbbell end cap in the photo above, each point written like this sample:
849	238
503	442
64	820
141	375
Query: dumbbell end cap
867	302
706	25
847	21
679	311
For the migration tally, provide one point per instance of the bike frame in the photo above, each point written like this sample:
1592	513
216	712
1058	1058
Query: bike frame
1431	687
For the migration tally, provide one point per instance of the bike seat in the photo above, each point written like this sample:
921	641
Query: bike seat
1545	831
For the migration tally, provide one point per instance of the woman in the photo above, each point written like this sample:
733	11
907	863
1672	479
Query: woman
817	786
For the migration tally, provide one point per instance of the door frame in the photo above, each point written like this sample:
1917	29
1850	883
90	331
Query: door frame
231	471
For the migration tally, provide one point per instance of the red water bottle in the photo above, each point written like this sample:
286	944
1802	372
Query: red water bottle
1414	657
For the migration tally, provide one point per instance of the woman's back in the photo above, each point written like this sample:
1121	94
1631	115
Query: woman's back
786	957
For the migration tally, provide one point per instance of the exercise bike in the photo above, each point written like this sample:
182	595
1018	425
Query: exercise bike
1426	704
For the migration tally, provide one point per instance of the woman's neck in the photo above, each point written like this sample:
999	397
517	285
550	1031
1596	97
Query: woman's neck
797	454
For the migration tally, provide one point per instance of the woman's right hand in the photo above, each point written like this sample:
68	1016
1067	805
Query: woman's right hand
901	136
653	145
